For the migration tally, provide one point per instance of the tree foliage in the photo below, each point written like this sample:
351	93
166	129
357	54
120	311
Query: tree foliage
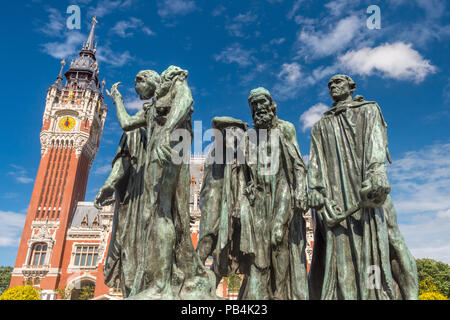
438	272
21	293
86	292
432	296
5	278
63	293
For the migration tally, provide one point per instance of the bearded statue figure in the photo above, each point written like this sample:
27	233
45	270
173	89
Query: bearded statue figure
252	210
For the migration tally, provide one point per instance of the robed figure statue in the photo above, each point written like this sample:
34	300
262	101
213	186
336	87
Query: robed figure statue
166	264
252	206
359	252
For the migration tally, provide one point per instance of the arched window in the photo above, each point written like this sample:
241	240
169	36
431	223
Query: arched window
38	255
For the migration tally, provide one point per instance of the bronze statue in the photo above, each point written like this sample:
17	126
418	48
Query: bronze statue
359	252
167	265
126	180
252	212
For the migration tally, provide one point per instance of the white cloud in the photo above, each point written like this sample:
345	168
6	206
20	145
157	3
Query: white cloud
135	103
236	54
56	23
115	59
20	174
73	43
294	8
277	41
420	190
69	47
340	7
218	11
121	28
422	180
290	72
428	238
312	115
291	80
241	20
175	7
246	17
444	214
397	60
318	44
103	170
11	226
105	7
10	195
433	8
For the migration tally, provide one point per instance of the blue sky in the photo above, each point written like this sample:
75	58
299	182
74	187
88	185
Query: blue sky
290	47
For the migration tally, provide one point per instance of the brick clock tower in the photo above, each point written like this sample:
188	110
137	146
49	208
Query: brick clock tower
72	127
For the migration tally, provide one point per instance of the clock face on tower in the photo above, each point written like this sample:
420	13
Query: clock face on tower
66	123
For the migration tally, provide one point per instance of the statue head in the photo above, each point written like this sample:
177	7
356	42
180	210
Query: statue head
263	108
168	76
146	83
341	87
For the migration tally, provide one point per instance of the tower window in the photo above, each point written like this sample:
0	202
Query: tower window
86	256
39	253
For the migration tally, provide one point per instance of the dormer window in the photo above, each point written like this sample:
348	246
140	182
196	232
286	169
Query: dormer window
84	222
95	223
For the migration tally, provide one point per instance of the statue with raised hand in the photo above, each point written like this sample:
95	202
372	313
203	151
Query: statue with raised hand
359	252
126	181
168	268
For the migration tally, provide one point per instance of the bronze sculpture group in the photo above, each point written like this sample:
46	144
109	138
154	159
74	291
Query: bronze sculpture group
256	188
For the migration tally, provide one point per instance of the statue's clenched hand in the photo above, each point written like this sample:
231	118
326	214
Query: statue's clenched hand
374	191
115	94
316	200
277	235
163	152
105	193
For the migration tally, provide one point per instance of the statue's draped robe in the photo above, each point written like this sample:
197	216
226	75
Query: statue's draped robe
258	205
348	146
167	197
224	205
124	247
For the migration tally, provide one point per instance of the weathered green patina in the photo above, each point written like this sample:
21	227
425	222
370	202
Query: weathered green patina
252	212
359	252
167	266
126	180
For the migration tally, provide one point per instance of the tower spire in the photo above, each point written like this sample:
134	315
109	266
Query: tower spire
90	43
63	63
59	79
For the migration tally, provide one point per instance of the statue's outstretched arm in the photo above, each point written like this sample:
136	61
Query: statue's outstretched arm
127	122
